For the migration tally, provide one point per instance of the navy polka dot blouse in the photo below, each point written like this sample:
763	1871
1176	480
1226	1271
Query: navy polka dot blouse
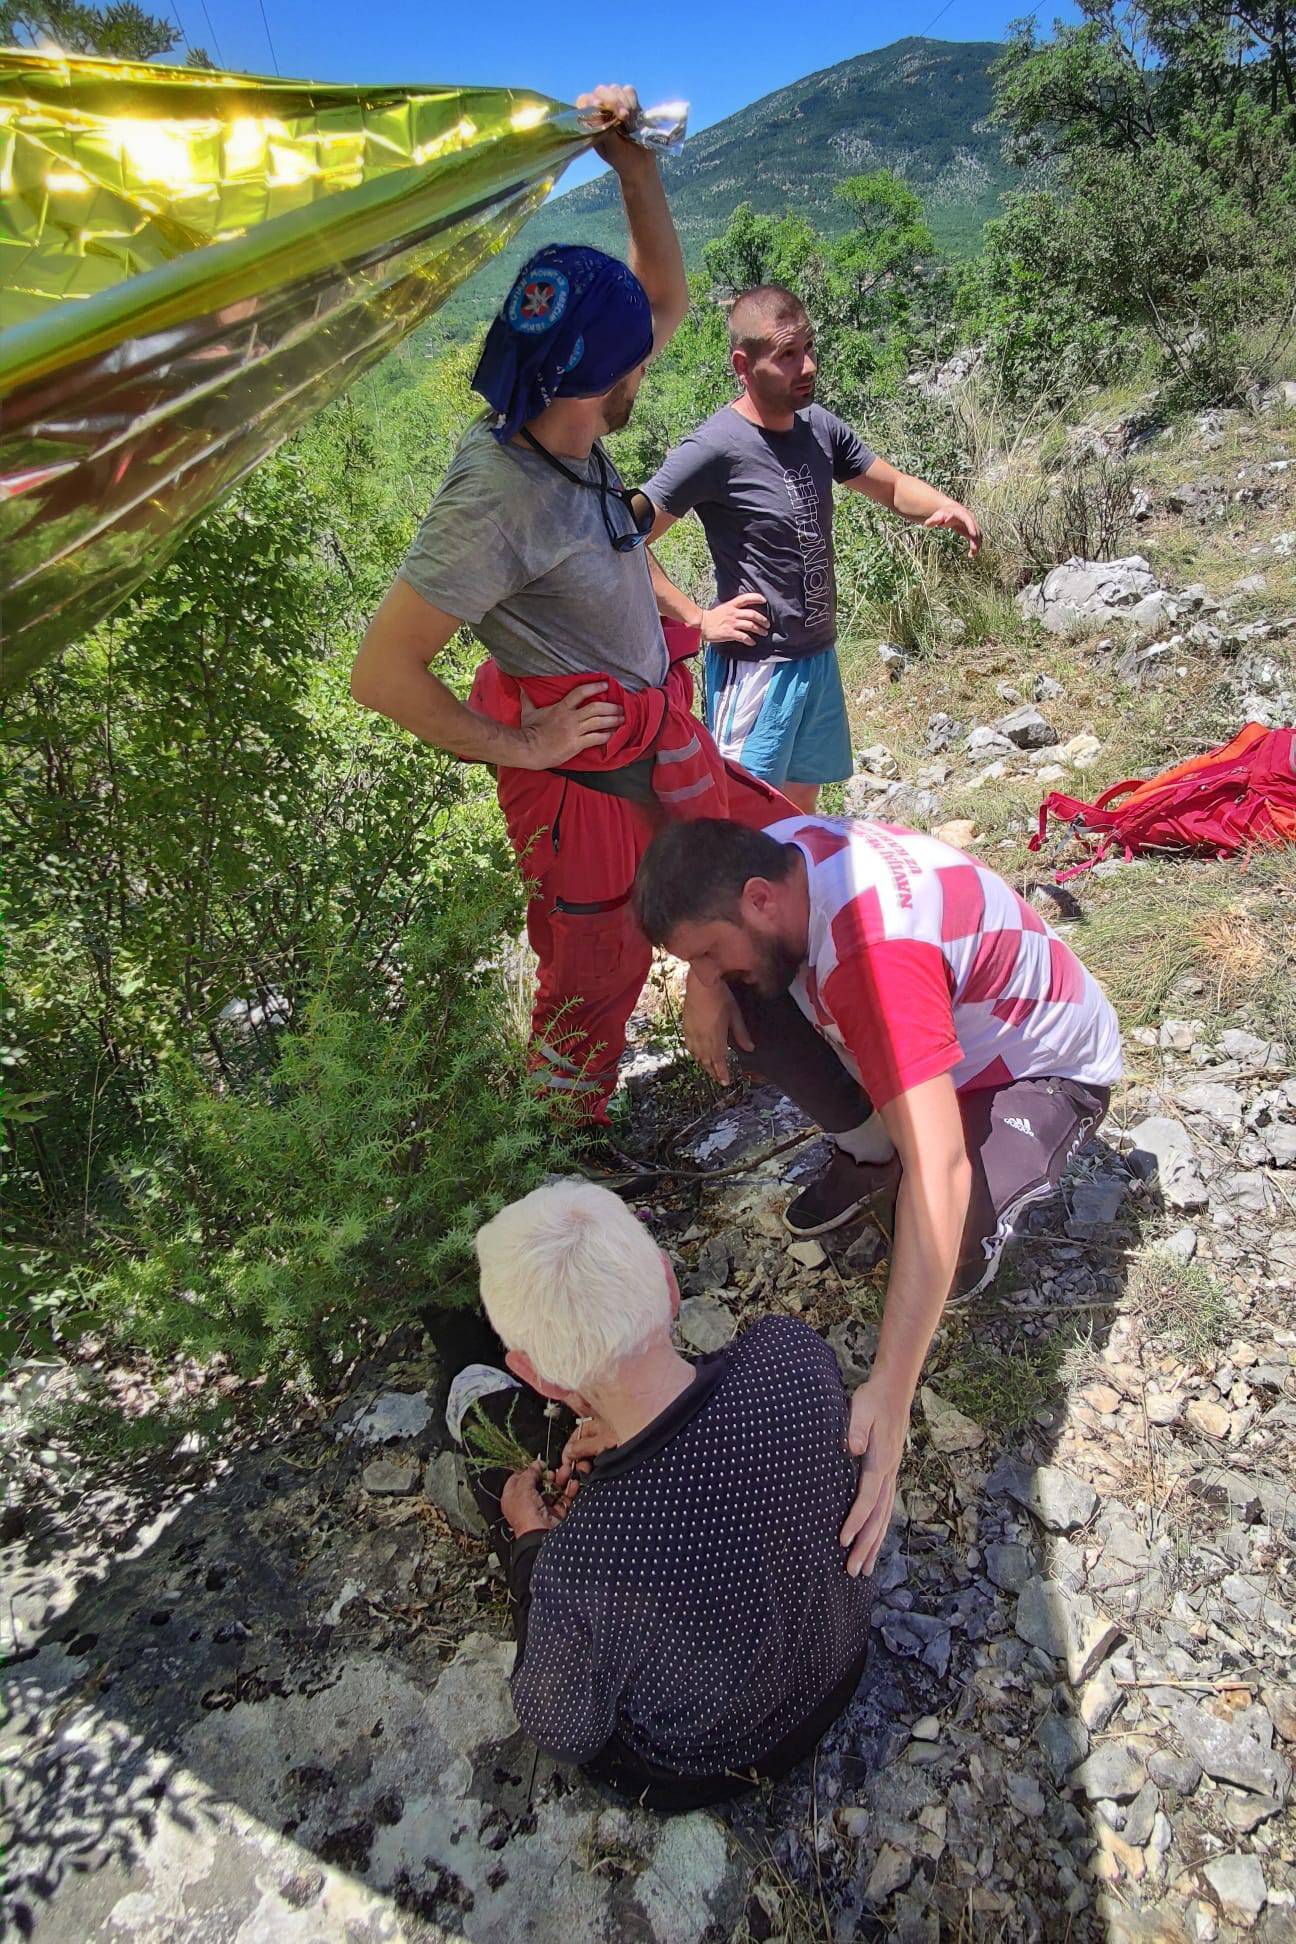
695	1603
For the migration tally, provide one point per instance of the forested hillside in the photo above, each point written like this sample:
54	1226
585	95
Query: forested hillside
920	108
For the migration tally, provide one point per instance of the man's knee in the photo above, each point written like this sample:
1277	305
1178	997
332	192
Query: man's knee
791	1055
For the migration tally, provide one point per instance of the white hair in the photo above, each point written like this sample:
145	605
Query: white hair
570	1277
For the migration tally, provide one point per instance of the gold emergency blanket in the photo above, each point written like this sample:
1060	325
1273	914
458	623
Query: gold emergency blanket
190	264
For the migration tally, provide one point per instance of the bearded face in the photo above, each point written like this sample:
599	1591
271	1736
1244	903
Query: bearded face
618	404
775	966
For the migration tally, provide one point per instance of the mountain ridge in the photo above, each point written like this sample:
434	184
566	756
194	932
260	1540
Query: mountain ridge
918	107
833	105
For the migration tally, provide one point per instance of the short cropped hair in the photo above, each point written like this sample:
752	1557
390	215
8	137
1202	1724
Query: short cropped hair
570	1277
757	313
695	871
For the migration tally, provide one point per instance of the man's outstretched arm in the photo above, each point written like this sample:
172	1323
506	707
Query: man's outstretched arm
931	1211
655	254
913	499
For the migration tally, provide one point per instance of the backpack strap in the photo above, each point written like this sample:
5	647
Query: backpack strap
1074	810
1115	790
1057	805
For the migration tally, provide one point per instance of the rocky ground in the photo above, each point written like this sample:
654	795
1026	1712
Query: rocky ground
258	1689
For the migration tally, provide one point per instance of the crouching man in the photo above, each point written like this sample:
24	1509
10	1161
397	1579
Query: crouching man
687	1625
924	1014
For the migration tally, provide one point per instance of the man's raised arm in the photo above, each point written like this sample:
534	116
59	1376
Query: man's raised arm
391	675
655	254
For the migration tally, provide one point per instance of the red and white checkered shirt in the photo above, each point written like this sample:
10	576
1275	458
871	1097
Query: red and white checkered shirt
921	962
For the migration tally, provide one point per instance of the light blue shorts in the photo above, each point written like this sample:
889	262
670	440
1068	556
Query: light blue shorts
785	721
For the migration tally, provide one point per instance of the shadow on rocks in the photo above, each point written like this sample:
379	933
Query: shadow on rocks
953	1797
284	1711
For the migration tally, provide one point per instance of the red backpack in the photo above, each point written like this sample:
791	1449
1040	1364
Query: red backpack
1230	799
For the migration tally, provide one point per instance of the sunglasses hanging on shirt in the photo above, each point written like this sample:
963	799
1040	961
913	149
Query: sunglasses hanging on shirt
603	486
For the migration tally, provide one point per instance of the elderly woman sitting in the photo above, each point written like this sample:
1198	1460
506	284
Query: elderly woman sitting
685	1620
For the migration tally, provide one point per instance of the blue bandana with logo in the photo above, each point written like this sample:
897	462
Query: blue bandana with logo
575	322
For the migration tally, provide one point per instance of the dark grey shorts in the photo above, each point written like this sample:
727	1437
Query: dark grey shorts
1020	1139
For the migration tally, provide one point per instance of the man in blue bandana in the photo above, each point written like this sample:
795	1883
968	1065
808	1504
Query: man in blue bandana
534	544
576	324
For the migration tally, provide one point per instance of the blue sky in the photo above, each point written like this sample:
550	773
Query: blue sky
718	58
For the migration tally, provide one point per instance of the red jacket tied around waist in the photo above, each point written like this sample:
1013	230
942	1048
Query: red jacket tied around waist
580	844
689	778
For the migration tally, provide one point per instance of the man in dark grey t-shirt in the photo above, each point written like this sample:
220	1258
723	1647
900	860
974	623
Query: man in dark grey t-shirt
760	474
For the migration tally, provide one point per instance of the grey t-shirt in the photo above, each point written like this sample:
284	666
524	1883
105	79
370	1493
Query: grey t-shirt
523	556
765	502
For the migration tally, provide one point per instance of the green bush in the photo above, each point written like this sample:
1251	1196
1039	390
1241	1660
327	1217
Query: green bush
161	782
1168	134
235	903
1021	300
281	1221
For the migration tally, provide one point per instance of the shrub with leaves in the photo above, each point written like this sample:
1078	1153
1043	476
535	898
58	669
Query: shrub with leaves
245	919
1167	133
282	1219
494	1447
1020	300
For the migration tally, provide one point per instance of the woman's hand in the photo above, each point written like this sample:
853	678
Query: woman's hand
521	1505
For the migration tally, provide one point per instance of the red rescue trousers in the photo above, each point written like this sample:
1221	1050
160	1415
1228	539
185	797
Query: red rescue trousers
581	847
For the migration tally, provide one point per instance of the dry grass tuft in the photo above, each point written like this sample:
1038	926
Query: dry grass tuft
1181	1305
1149	927
1240	951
